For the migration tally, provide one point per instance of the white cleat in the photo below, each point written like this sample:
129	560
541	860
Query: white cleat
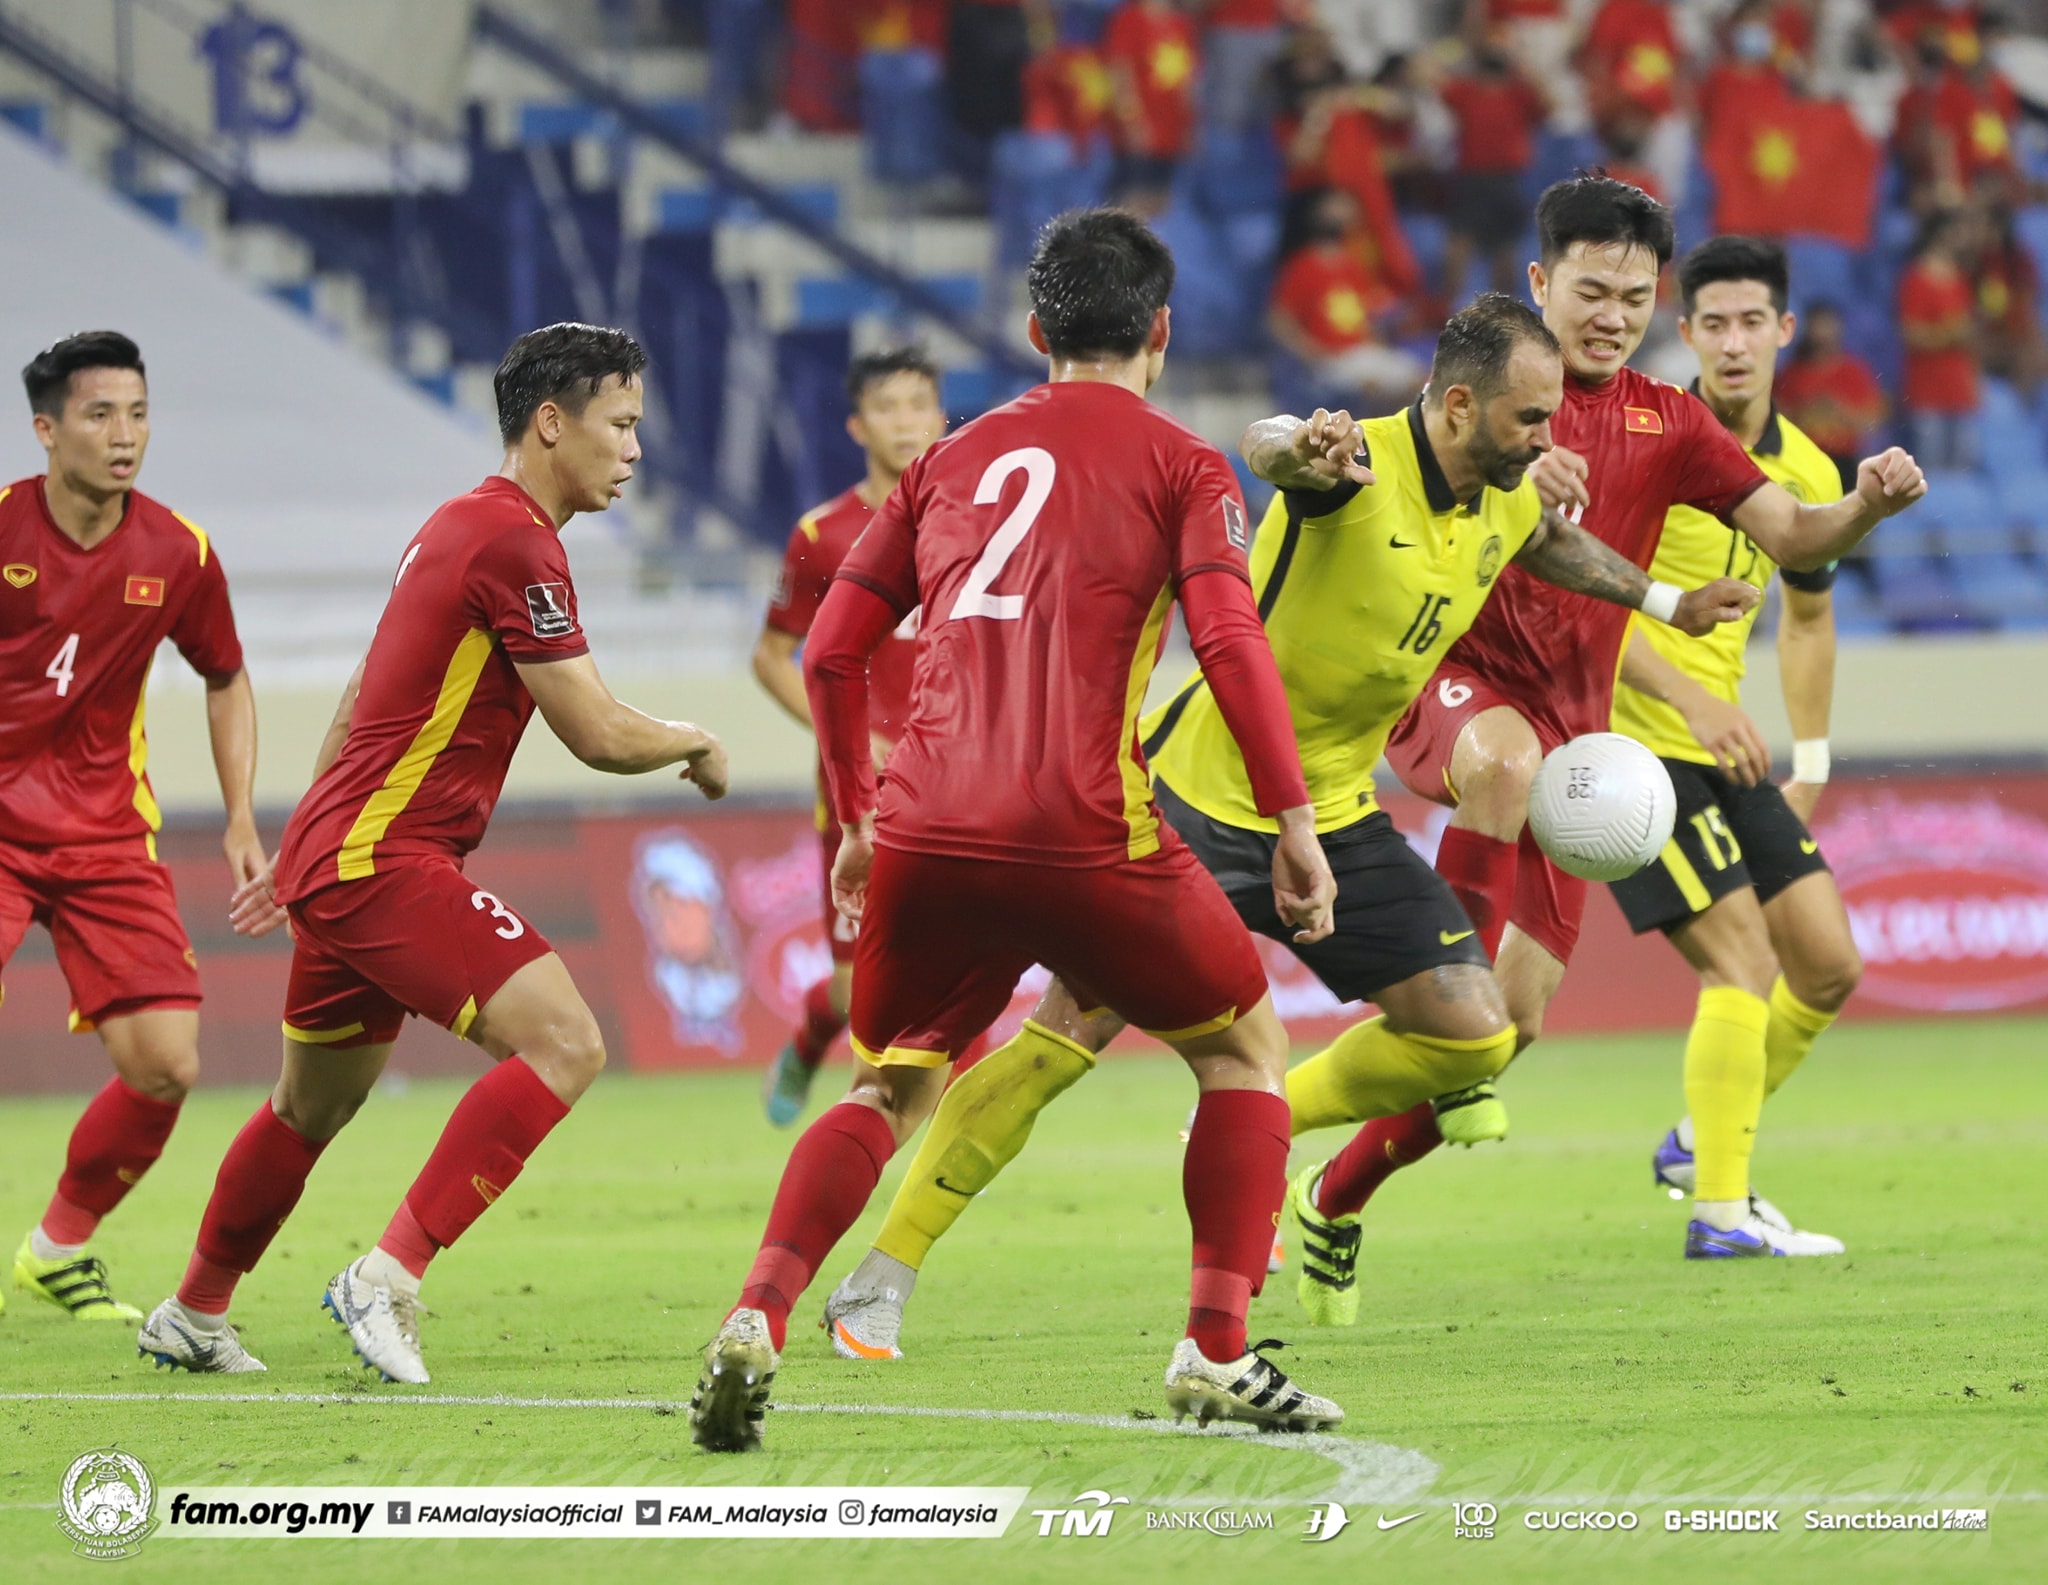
731	1398
1249	1389
384	1325
169	1338
865	1323
1777	1228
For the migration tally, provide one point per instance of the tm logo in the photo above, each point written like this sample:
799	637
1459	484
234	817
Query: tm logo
1326	1522
1078	1520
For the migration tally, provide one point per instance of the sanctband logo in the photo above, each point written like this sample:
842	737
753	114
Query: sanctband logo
1078	1521
108	1499
1474	1521
1325	1522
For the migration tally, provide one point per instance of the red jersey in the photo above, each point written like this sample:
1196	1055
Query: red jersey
484	584
1944	380
1495	118
78	631
1648	447
1631	53
1327	290
817	545
1045	541
1159	50
1837	402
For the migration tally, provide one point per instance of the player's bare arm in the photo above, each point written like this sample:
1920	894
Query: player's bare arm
611	736
1803	537
1724	730
1806	672
1314	453
777	670
1564	554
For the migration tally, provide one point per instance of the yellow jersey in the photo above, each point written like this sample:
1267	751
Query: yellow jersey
1362	589
1696	549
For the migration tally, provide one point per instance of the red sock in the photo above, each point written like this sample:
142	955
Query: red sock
1234	1178
493	1129
260	1180
1481	871
1382	1148
821	1025
408	1243
825	1187
116	1141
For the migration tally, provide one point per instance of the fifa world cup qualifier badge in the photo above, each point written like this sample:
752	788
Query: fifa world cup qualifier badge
109	1500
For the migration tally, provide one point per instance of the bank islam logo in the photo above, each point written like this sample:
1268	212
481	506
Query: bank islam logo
1078	1520
108	1499
1326	1522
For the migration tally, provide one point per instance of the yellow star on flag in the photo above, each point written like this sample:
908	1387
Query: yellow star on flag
1173	63
1345	310
1650	64
1987	134
1774	156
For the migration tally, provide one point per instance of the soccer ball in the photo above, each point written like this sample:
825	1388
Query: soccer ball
1602	806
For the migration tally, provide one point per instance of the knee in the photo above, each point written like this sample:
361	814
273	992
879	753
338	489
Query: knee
1528	1027
574	1055
167	1075
1827	986
315	1117
1746	965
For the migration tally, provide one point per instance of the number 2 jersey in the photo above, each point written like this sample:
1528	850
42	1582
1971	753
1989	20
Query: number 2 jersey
79	630
1046	541
1362	589
483	585
1648	447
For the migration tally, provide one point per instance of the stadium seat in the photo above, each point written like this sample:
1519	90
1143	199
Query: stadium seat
1963	505
903	114
2008	432
2003	587
1236	172
1823	270
1857	612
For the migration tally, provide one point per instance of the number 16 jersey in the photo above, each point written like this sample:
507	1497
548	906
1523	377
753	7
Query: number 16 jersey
1362	589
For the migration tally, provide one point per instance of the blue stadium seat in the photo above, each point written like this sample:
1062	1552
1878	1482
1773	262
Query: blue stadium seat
1824	270
1918	595
2003	587
1034	176
2008	432
2023	501
903	114
1236	172
1961	503
1214	314
1857	612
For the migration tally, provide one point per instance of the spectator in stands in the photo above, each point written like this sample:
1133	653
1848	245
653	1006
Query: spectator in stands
1976	114
1623	139
1154	61
1306	65
2009	306
987	47
1831	393
1540	37
1633	64
1330	137
1497	110
1752	69
1324	306
1937	321
1067	86
1243	39
820	88
1907	24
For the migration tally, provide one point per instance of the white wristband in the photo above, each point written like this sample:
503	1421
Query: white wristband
1661	601
1810	761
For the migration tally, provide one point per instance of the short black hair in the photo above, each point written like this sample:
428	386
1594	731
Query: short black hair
1478	341
1593	207
48	374
872	368
566	364
1097	279
1735	258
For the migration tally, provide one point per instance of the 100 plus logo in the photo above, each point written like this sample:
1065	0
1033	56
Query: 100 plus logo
1474	1521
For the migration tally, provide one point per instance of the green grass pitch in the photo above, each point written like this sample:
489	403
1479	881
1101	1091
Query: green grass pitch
1530	1337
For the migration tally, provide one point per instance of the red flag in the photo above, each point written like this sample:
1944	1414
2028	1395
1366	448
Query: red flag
1795	167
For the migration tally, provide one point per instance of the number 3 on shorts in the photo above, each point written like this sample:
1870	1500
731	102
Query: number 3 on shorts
513	927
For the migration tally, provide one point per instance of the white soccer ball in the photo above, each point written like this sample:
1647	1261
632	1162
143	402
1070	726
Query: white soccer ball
1602	806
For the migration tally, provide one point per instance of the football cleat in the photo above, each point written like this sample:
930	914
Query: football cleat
865	1323
169	1339
1250	1389
786	1087
1671	1167
384	1325
1328	1285
1471	1116
1757	1235
731	1398
1276	1257
78	1284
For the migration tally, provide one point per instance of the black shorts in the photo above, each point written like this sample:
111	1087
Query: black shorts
1728	836
1396	917
1488	207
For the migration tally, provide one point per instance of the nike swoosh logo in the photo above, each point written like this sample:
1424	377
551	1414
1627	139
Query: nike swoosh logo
1391	1524
1809	846
965	1194
1398	543
1450	940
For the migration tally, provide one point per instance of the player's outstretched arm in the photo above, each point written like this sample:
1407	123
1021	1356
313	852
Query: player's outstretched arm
1805	538
1724	730
1806	672
614	737
1566	555
1319	452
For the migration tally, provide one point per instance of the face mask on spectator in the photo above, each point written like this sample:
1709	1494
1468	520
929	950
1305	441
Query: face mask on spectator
1752	42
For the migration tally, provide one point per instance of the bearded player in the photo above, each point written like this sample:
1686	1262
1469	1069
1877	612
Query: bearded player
98	575
479	630
1047	542
896	416
1741	889
1538	666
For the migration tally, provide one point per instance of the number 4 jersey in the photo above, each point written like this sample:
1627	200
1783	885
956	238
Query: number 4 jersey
79	630
1046	540
1362	588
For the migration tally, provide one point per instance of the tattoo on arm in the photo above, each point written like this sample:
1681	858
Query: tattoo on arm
1268	446
1573	559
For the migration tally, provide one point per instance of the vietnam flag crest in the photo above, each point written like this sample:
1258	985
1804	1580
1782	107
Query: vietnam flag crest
1642	421
144	591
1796	167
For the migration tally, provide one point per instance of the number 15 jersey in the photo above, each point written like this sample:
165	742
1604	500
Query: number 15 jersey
1045	540
1362	588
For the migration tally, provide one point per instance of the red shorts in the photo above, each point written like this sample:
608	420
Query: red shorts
110	910
416	938
840	931
1549	904
945	940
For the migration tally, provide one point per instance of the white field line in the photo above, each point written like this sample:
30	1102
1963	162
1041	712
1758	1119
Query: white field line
1367	1472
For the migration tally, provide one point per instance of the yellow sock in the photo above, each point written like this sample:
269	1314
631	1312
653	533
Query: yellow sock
1724	1089
1370	1071
978	1129
1793	1030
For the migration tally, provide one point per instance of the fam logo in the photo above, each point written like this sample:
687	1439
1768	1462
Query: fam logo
1490	555
1078	1520
108	1498
692	944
